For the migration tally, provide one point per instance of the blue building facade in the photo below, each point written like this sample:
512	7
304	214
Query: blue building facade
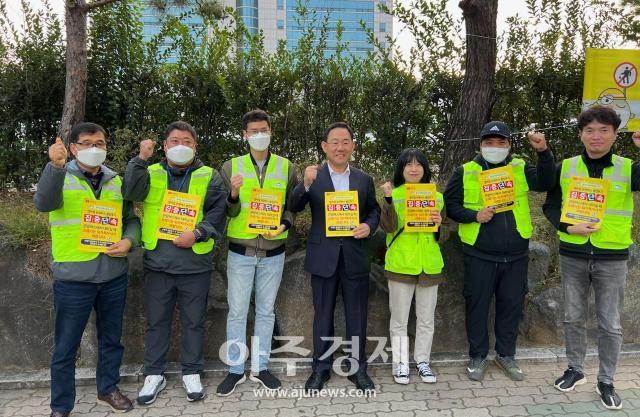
279	20
352	13
153	19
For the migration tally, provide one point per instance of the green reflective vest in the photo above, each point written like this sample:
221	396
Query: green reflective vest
276	178
152	205
412	253
468	232
615	231
66	222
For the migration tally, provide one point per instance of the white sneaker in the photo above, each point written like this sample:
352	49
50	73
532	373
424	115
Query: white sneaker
426	373
153	384
193	386
401	376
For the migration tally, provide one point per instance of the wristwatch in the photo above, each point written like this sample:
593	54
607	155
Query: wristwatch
198	234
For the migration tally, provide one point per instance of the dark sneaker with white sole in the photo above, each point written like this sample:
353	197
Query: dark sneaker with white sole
608	396
477	368
568	381
267	379
228	385
510	367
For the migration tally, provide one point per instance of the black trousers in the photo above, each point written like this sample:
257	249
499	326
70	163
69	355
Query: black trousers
355	294
483	279
161	292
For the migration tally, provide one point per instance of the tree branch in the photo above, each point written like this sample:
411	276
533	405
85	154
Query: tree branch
98	3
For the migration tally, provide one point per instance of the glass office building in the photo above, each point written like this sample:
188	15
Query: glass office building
280	20
153	18
352	13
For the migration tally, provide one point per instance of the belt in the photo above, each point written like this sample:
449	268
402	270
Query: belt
253	251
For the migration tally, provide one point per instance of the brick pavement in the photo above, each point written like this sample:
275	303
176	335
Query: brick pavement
453	396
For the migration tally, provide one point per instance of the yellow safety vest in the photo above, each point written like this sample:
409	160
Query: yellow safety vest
152	205
615	231
412	253
468	232
65	223
276	178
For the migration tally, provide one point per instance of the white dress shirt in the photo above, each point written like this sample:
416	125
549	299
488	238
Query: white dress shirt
340	179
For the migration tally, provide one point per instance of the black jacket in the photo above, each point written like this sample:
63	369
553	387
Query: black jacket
498	240
552	209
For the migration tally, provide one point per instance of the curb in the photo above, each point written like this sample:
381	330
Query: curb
287	366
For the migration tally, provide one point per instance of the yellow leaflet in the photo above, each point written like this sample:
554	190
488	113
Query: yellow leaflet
585	201
179	213
101	225
420	205
341	213
498	189
265	210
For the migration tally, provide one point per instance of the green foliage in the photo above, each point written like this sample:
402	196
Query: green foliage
541	67
31	92
21	224
392	101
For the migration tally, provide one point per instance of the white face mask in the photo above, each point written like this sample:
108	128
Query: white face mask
494	155
91	157
180	154
259	141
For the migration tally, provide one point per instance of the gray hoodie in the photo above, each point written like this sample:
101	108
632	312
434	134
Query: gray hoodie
48	198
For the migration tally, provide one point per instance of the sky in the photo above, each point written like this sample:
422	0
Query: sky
506	8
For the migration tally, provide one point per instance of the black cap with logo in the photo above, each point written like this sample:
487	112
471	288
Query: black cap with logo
495	128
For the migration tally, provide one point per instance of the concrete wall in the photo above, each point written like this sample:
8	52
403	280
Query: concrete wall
26	312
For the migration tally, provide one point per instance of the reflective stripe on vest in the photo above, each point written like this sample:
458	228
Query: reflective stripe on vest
615	231
276	177
412	253
152	205
468	232
65	222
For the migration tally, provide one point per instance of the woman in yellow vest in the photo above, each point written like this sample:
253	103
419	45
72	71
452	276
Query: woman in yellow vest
413	265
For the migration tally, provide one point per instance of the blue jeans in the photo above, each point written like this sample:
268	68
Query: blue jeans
242	273
73	302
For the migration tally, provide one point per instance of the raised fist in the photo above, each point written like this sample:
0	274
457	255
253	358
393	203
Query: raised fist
147	148
58	153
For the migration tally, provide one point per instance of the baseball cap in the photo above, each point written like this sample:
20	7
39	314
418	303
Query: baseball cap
496	128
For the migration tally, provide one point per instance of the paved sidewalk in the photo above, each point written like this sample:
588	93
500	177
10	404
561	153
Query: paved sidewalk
452	396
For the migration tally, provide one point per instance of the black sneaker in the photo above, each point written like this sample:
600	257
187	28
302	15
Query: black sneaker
267	380
228	385
608	396
477	368
568	381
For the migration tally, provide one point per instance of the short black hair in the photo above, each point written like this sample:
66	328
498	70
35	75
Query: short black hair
85	127
180	125
602	114
257	115
405	157
337	125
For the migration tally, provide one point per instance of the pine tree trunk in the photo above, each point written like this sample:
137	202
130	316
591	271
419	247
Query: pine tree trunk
76	67
478	88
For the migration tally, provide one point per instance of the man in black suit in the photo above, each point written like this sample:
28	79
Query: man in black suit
334	261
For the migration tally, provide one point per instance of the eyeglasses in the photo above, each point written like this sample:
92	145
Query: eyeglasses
100	145
256	131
